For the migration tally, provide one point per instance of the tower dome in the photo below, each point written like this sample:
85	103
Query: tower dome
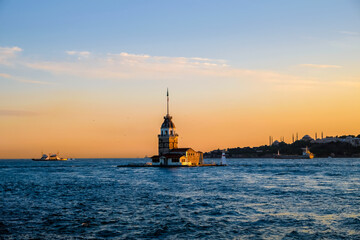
167	122
168	127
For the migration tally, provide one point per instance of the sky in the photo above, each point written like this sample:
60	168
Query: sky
89	78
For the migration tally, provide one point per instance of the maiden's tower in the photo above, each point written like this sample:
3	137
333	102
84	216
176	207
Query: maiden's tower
169	152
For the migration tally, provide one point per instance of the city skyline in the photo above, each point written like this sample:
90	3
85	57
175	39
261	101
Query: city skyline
89	78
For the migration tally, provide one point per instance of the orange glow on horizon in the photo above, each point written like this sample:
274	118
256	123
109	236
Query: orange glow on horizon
96	130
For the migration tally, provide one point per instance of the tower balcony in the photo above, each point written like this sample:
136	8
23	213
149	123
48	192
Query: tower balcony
168	135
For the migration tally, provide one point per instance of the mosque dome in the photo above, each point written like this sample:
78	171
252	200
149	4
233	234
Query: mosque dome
276	143
307	138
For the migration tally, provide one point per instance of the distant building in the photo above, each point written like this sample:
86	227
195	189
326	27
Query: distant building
275	143
307	138
351	140
169	153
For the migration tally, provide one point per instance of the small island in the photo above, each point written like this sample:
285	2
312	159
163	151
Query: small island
170	155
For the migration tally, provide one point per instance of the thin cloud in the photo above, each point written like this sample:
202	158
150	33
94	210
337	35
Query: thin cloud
350	33
128	66
124	54
79	54
7	54
8	76
32	81
348	83
16	113
5	75
320	66
131	66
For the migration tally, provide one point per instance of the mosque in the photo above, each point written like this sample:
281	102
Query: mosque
169	152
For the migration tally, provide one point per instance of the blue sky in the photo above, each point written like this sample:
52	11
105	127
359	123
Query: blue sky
253	34
258	65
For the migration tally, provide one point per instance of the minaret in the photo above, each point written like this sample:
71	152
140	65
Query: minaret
168	139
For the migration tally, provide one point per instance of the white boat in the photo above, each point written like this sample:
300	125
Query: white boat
50	157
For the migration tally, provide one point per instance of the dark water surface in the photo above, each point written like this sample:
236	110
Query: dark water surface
249	199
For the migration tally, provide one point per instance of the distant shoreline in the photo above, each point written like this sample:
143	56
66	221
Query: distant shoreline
329	147
207	158
277	159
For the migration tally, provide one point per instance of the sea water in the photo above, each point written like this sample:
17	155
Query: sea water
248	199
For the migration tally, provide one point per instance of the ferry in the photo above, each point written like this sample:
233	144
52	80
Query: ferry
50	157
306	155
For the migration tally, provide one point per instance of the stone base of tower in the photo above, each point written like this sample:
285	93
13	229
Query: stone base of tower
179	157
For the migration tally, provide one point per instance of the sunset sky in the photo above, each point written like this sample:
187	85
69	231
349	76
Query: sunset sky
89	78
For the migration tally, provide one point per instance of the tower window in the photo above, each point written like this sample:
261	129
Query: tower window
165	132
171	132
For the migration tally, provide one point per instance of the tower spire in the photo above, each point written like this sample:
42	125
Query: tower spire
167	95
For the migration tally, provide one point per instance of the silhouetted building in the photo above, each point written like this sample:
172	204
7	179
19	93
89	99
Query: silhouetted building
307	138
169	153
354	141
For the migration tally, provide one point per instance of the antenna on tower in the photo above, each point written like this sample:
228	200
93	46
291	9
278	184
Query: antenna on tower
167	95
